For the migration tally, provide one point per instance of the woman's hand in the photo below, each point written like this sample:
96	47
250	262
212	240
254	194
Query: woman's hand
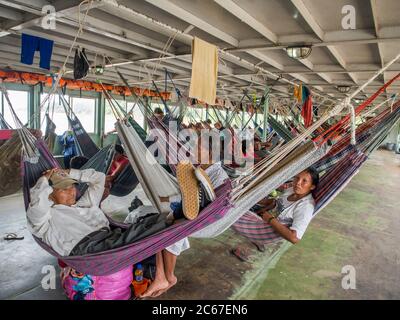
266	215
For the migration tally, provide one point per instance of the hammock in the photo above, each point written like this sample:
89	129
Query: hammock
347	162
3	123
114	260
10	163
126	180
111	261
281	130
50	135
85	145
244	195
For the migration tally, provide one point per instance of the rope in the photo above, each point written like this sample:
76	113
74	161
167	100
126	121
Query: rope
353	124
80	29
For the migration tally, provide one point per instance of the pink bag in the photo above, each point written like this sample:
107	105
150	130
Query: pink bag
78	286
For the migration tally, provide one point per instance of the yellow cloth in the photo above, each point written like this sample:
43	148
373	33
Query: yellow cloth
203	85
298	93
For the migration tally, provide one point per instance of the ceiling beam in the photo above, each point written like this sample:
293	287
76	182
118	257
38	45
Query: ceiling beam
114	32
192	19
261	44
128	14
201	24
10	14
374	9
246	18
38	15
309	18
266	59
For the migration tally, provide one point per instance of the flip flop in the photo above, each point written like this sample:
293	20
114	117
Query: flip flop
241	254
260	247
189	190
13	236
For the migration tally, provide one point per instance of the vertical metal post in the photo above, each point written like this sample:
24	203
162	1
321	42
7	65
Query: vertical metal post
146	113
100	109
265	121
243	118
33	106
397	148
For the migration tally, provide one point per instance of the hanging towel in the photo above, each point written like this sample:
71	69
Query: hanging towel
307	110
81	65
298	93
31	44
203	85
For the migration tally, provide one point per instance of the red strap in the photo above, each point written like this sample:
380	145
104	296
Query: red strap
332	131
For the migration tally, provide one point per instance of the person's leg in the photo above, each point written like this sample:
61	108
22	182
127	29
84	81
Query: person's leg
169	267
160	282
170	255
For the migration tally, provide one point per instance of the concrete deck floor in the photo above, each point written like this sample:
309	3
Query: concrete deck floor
361	228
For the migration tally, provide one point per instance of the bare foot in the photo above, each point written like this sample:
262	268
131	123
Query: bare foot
171	282
156	285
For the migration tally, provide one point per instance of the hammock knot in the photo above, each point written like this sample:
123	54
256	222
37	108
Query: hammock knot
338	108
353	124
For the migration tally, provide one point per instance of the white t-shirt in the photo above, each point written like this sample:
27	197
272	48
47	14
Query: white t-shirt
296	214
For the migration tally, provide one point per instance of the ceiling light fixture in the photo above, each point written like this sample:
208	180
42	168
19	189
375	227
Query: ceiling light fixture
99	69
299	52
343	89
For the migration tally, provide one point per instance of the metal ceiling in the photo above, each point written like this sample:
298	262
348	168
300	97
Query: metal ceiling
252	35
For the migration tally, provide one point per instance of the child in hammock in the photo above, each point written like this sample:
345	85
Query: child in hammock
119	163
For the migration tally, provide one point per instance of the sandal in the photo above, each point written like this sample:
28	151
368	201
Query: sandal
241	254
13	236
260	247
189	190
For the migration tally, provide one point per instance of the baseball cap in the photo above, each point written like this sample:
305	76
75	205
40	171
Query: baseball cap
60	180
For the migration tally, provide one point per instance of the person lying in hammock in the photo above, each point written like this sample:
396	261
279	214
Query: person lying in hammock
197	187
73	227
196	192
285	218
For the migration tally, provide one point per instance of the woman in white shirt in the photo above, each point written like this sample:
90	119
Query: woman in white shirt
287	217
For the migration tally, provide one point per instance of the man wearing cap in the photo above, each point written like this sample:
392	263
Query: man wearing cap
73	227
56	217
